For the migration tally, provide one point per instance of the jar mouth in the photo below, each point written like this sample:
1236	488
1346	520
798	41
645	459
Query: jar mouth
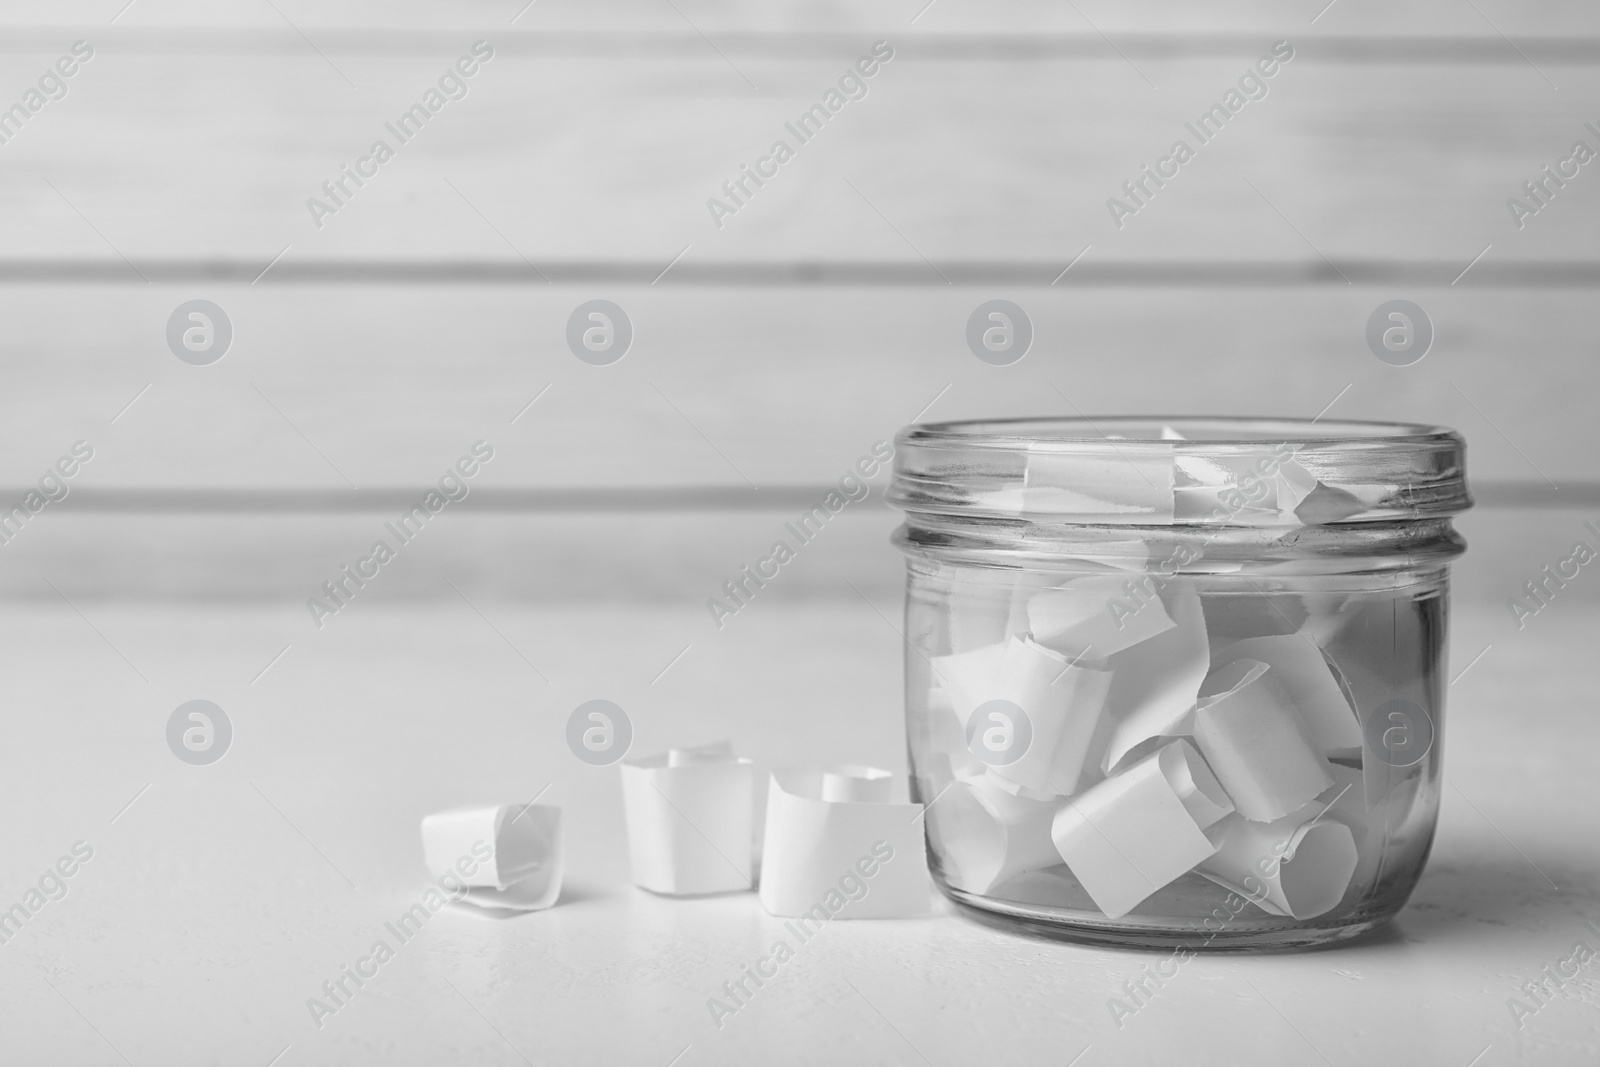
1181	471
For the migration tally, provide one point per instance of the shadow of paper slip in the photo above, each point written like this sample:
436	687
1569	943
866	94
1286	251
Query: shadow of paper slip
689	814
867	858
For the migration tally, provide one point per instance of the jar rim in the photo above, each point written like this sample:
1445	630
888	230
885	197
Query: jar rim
1181	470
1243	431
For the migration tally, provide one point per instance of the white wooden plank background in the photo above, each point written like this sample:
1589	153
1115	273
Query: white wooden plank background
210	152
816	321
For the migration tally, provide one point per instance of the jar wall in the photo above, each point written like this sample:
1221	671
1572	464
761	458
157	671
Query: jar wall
1146	686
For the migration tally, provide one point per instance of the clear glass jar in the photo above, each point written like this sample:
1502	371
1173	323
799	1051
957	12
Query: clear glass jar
1178	681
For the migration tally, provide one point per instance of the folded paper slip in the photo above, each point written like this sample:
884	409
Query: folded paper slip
690	815
506	855
852	859
1142	829
985	835
1300	668
1256	743
1298	866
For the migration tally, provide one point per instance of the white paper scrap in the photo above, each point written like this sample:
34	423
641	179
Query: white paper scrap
689	814
840	859
1097	617
1255	741
1300	668
1137	831
985	835
1132	481
1298	866
505	855
1155	683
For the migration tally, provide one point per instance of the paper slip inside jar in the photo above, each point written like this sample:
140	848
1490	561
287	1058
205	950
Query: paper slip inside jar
1254	739
840	859
689	814
1090	619
1027	712
1258	488
1155	684
1304	673
505	855
1142	829
1297	866
986	835
1135	482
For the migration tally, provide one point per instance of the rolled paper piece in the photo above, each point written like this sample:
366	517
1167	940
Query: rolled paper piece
1137	831
985	836
1094	618
1155	683
968	677
1299	866
861	785
1101	488
1062	704
689	820
505	855
1256	743
1300	668
830	859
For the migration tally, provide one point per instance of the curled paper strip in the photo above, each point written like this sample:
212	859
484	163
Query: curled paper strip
689	817
506	856
1126	837
1256	743
852	859
1300	668
988	835
1259	488
1297	866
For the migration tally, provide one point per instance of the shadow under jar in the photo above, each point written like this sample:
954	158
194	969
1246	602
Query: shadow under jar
1178	681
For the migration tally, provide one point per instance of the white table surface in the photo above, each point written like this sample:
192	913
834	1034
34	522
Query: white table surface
224	896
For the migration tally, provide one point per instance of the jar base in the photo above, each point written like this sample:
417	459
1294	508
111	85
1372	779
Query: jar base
1241	935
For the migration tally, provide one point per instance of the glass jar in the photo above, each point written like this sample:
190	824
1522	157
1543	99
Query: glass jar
1178	681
